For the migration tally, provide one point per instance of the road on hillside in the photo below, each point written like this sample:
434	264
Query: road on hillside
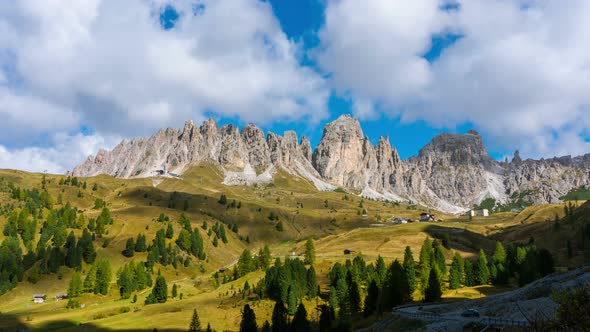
421	312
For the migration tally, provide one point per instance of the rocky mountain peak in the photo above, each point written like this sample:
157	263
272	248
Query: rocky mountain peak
473	132
516	159
451	173
257	149
340	152
305	147
457	149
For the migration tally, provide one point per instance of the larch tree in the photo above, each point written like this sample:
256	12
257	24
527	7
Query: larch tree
248	322
410	268
433	292
300	322
309	252
195	325
425	253
483	271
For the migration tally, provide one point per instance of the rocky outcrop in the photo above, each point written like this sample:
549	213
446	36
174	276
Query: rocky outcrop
450	173
542	181
246	156
341	155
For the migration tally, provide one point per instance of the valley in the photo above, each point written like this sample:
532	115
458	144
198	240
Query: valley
336	221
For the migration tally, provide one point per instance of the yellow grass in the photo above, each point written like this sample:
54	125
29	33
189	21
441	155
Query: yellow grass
136	203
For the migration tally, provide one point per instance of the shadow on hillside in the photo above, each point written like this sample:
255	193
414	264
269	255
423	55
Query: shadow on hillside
13	323
460	238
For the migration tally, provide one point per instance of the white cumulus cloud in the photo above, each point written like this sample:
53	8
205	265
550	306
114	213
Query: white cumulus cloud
64	151
109	65
520	73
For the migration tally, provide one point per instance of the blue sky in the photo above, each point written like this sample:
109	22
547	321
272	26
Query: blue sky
79	76
300	21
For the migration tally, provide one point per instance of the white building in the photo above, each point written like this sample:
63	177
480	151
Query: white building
39	298
478	213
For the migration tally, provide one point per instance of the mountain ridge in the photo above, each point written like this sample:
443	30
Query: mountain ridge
451	173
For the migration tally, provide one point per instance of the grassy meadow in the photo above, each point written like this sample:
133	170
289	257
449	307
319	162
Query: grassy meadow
333	219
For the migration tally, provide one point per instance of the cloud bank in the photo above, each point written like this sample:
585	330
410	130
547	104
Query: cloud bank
519	70
110	65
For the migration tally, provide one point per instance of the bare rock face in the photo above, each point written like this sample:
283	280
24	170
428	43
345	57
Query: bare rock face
545	181
457	168
305	148
258	151
451	173
341	155
247	156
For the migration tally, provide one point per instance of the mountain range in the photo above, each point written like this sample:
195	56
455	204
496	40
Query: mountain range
451	173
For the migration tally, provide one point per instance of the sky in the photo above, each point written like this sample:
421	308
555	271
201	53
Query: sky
77	76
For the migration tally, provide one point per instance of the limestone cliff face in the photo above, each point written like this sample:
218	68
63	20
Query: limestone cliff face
450	173
340	156
457	168
244	154
546	180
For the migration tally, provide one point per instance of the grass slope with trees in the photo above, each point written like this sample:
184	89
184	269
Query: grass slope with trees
157	253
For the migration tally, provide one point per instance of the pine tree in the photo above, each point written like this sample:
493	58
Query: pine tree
354	297
195	325
140	244
129	250
222	200
264	257
300	322
73	257
279	317
380	271
248	323
425	264
291	300
433	292
87	247
327	317
483	272
469	278
169	231
342	292
371	299
396	289
498	272
75	287
456	272
197	245
125	281
439	259
90	280
246	263
174	291
309	252
410	269
333	299
312	283
266	327
499	254
103	277
279	226
160	290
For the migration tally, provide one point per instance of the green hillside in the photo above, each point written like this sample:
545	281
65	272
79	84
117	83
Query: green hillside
195	227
